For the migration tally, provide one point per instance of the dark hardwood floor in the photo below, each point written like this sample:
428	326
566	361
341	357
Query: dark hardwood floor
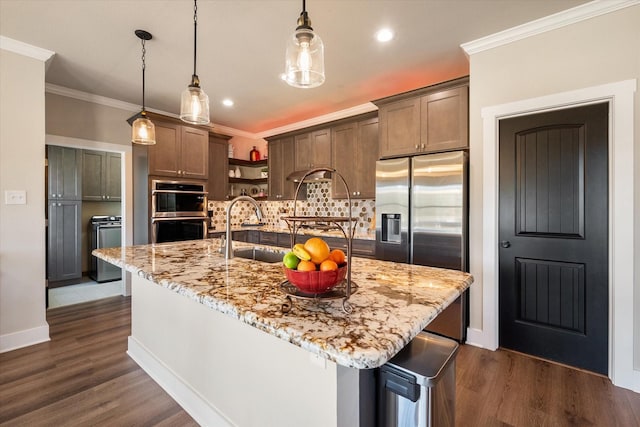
83	377
503	388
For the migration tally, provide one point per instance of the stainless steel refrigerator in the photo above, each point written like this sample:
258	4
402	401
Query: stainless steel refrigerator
421	218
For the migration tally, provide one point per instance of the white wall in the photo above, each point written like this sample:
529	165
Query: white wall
22	227
593	52
80	119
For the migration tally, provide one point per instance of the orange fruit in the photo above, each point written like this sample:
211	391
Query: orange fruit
306	266
328	265
338	256
318	249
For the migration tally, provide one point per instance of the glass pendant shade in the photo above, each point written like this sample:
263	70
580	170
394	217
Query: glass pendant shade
194	106
304	66
143	131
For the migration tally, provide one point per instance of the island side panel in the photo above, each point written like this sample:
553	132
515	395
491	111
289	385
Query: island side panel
242	375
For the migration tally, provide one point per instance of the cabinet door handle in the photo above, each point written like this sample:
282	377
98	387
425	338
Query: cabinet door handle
422	146
108	197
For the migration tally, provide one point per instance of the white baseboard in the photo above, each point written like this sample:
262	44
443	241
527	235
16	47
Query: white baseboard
477	338
24	338
190	400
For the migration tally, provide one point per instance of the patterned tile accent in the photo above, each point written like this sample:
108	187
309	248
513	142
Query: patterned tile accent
318	203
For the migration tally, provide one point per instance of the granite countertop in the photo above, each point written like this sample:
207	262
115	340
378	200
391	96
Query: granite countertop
393	303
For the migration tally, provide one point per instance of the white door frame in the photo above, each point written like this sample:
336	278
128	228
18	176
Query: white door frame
620	96
126	171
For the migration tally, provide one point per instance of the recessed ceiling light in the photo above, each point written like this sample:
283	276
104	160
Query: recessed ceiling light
227	102
384	35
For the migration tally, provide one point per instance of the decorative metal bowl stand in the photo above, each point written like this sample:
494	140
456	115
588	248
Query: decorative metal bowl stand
346	287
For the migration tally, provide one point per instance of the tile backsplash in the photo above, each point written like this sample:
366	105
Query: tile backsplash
318	203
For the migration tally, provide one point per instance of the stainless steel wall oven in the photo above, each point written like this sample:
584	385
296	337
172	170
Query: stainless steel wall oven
178	211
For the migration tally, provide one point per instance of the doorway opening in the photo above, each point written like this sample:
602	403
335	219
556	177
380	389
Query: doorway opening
621	98
84	186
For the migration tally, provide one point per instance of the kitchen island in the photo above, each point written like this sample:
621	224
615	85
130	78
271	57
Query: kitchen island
213	333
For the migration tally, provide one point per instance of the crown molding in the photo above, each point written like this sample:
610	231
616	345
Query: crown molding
25	49
94	99
225	130
548	23
134	108
342	114
127	106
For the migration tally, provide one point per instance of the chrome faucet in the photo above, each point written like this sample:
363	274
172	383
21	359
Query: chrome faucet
228	248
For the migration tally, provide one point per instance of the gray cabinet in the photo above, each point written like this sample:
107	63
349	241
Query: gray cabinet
64	180
64	209
63	240
355	151
101	176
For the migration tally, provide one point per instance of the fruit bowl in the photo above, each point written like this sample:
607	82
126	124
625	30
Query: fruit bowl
315	282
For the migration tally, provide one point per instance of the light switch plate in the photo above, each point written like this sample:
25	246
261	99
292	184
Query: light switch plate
15	197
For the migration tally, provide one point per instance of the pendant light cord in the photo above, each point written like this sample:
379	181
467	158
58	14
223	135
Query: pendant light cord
304	6
195	33
144	51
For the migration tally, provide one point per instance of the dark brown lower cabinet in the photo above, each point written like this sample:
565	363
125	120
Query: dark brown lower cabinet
360	247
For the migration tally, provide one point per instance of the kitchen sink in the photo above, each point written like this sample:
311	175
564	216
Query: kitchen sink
259	254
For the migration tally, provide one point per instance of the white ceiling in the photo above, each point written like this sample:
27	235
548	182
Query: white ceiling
241	46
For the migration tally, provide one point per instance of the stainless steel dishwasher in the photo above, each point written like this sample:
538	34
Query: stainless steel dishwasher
105	233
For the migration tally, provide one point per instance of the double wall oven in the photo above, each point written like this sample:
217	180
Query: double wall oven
178	211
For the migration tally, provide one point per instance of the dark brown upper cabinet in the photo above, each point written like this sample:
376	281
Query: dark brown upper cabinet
355	151
427	120
179	152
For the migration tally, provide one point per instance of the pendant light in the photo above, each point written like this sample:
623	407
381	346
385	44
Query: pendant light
143	130
305	55
194	105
